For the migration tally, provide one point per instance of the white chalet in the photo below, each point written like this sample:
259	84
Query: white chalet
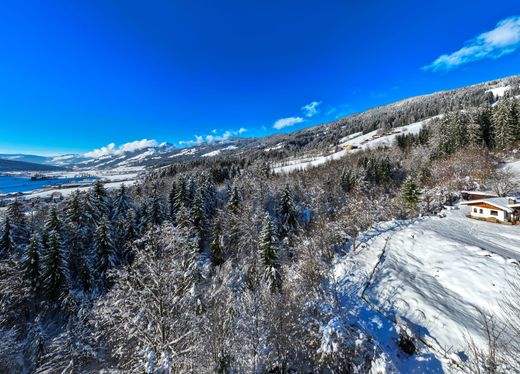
494	209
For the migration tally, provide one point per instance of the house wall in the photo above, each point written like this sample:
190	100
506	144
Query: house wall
486	212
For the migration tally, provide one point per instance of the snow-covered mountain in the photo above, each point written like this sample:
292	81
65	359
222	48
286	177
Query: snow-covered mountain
321	142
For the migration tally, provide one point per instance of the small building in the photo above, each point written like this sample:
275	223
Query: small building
495	209
477	195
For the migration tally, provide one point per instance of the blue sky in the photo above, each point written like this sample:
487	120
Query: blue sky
76	76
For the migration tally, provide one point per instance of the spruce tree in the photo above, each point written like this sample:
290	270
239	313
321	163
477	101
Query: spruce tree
217	245
474	129
122	203
234	200
171	203
288	221
410	194
97	202
348	180
32	262
268	252
19	229
7	246
503	125
54	267
155	212
103	249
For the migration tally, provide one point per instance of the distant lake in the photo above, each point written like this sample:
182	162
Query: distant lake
24	184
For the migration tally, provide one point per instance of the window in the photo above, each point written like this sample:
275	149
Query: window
474	210
481	211
494	213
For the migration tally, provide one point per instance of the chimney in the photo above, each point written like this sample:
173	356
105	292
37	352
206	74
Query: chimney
511	200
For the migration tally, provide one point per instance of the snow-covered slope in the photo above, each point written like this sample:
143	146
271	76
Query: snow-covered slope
436	274
357	141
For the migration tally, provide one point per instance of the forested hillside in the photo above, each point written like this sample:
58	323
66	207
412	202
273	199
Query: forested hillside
220	265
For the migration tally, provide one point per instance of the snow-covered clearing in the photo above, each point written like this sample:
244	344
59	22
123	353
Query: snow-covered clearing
372	140
435	274
514	166
68	191
499	91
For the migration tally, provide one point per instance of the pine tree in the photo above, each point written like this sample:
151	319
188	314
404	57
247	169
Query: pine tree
103	249
7	246
268	252
74	211
32	262
217	245
410	194
54	267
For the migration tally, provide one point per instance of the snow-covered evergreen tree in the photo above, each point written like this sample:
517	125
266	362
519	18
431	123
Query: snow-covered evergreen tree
104	258
55	267
268	253
410	194
217	245
287	217
505	132
7	246
32	262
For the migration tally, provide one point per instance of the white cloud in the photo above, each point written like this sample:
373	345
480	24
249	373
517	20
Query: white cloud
213	137
311	109
287	122
112	149
502	40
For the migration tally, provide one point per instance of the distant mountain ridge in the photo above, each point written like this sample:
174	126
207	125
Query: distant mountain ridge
10	165
308	140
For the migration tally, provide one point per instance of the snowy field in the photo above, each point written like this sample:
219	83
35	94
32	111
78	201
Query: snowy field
435	274
113	178
369	140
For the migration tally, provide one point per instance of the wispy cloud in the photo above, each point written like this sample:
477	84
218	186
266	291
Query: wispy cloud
502	40
214	137
311	109
287	122
112	149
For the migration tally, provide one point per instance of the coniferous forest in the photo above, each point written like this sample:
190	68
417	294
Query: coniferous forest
219	264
